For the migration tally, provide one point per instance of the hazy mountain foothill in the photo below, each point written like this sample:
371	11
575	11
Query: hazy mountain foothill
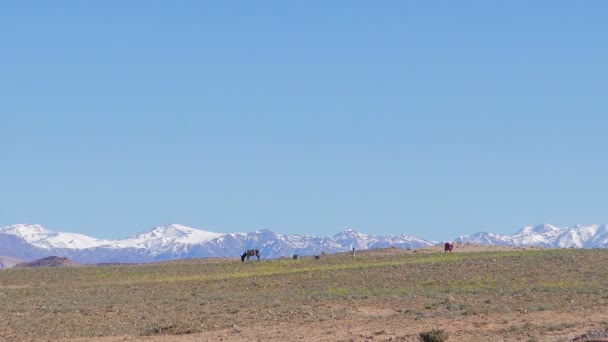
52	261
27	242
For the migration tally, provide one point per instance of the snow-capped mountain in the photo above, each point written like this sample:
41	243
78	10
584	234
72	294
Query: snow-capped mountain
357	240
28	242
545	235
41	237
166	237
593	236
175	241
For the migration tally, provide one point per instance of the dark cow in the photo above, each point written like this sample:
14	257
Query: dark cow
250	253
448	246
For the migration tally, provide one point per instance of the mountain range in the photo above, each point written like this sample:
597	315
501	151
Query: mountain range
546	235
32	241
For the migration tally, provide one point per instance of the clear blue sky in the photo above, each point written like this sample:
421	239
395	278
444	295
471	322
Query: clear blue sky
427	118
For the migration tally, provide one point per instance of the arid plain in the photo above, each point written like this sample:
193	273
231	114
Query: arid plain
476	293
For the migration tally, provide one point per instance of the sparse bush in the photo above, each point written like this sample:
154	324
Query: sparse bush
528	326
172	329
435	335
453	306
558	326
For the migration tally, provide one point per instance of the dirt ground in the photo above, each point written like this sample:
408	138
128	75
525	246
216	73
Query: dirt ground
384	325
380	319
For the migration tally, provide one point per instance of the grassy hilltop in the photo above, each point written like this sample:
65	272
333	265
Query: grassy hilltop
389	294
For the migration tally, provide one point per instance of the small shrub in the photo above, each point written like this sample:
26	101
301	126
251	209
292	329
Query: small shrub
558	326
172	329
435	335
453	306
528	326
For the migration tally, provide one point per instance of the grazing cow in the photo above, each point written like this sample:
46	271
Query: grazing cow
448	246
250	253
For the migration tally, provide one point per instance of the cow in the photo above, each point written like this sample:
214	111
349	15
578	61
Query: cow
250	253
448	246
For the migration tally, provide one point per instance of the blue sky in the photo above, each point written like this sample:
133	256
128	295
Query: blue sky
427	118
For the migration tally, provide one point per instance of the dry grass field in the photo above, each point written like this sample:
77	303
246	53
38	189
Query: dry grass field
474	294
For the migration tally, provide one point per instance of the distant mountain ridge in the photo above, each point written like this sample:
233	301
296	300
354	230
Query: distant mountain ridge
546	235
6	262
174	241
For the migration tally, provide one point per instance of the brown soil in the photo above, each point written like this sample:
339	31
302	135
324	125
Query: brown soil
479	293
391	326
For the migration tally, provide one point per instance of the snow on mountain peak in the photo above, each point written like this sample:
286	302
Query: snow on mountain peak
171	230
176	241
163	236
28	232
265	231
349	233
546	235
72	241
37	235
546	228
